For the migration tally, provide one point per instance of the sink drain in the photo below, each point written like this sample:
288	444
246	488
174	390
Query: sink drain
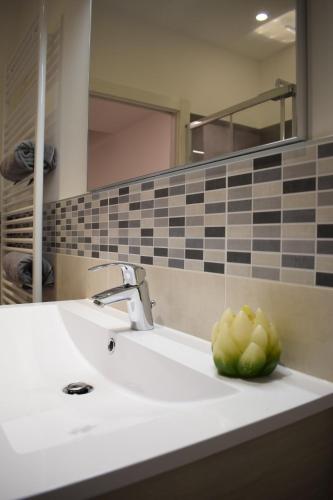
78	388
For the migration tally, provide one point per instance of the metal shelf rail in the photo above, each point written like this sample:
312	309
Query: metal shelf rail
282	91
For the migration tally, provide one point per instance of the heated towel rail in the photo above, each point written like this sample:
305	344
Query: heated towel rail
24	119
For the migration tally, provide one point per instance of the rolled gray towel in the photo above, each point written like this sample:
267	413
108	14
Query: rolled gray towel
20	163
18	268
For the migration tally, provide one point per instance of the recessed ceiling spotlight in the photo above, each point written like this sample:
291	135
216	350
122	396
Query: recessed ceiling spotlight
262	16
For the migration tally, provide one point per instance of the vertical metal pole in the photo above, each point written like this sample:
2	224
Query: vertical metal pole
188	143
3	120
293	117
282	119
39	158
231	133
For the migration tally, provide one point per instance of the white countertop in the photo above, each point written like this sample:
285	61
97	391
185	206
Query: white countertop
125	430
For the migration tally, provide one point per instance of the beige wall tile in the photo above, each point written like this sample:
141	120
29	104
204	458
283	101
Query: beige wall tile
215	195
266	259
325	215
160	232
147	251
147	223
297	311
195	175
267	189
161	261
214	255
194	232
135	188
195	209
324	263
299	200
134	258
240	167
238	193
177	201
239	231
162	182
194	265
147	195
176	242
215	220
325	166
301	276
298	231
238	269
299	155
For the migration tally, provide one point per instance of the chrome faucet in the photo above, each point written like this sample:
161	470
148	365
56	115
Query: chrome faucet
134	290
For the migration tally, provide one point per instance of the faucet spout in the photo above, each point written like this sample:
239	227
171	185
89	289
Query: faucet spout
134	292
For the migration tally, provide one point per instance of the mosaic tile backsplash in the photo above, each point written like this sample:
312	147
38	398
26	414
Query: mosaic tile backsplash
270	217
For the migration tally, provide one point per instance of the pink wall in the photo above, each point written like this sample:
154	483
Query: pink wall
145	147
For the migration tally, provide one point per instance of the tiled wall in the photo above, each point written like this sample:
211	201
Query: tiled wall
270	217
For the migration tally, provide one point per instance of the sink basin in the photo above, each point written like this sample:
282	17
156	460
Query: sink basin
154	396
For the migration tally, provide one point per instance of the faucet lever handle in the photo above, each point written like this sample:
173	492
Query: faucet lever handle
132	274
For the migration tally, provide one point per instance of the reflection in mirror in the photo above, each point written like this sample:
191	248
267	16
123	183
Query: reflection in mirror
177	82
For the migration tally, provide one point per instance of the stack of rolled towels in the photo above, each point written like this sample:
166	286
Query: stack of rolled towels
18	165
18	269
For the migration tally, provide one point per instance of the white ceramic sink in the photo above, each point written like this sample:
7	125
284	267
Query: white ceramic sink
157	401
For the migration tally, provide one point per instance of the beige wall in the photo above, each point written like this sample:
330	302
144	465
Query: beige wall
320	50
280	65
70	102
147	57
192	301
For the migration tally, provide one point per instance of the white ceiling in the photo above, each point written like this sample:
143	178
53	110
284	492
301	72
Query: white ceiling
225	23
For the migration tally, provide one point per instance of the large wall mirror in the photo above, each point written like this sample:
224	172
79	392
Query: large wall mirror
183	81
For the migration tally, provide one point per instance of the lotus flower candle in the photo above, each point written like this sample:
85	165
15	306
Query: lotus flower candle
245	344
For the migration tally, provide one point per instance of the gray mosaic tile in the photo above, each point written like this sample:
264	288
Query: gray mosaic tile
306	215
325	247
325	199
298	246
266	273
215	243
161	202
267	203
177	190
302	170
194	243
299	261
266	245
176	211
177	179
195	187
269	175
239	193
239	206
177	253
195	221
239	244
177	263
213	208
239	218
218	171
325	182
118	223
161	242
